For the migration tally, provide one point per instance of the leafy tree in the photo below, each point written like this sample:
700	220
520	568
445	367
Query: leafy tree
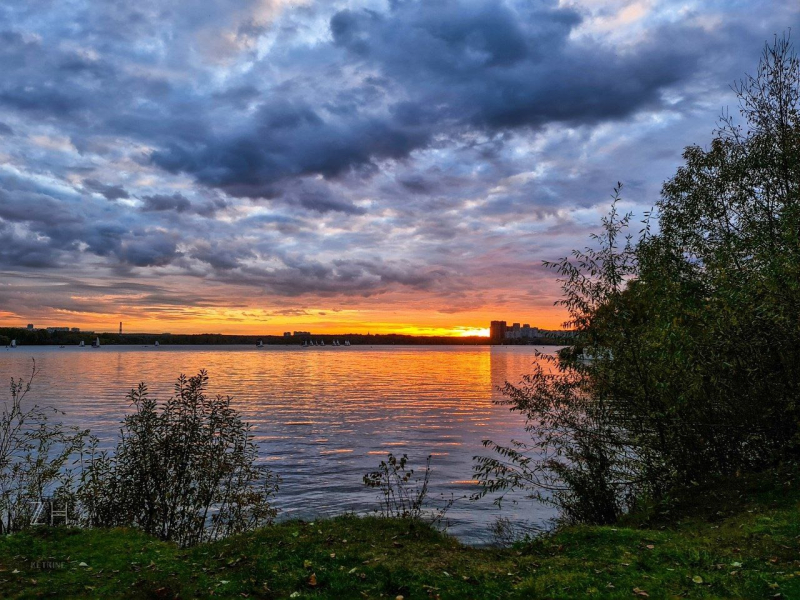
685	362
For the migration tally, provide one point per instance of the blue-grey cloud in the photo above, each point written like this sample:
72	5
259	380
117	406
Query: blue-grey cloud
161	202
110	192
438	70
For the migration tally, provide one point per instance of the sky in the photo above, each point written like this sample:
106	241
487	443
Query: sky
260	166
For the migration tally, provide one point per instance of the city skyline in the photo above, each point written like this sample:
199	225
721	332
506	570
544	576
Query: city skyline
353	165
497	330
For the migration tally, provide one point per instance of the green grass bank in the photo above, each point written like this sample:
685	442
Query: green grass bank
739	539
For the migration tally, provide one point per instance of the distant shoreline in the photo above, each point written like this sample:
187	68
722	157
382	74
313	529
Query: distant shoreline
25	337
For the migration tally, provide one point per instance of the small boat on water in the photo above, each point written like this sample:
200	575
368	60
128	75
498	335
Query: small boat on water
81	345
156	344
322	342
259	344
96	343
347	342
13	343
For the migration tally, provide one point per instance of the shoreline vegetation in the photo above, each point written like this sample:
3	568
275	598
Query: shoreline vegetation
734	538
25	337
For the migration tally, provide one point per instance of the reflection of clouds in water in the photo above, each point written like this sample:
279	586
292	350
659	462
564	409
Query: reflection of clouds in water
322	418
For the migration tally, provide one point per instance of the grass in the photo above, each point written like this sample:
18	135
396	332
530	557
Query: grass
738	539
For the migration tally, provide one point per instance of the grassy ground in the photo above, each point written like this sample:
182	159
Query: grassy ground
740	539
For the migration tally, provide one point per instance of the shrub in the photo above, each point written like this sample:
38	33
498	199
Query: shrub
401	495
35	459
184	472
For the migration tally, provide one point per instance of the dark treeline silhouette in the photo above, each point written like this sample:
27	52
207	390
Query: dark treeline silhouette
46	338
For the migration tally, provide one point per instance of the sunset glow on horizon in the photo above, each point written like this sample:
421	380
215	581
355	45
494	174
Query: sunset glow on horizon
260	322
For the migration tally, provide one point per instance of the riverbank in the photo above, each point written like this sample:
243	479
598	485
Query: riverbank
739	539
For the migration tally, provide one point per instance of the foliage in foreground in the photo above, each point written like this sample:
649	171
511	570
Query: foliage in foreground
403	496
36	459
735	539
685	363
183	472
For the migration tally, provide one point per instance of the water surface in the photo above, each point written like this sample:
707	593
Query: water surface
322	416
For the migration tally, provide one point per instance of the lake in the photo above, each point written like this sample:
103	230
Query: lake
322	417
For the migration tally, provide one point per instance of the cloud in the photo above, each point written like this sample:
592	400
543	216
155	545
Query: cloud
424	72
24	251
161	202
179	203
110	192
289	141
299	276
148	249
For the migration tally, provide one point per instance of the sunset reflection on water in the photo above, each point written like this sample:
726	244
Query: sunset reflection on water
322	416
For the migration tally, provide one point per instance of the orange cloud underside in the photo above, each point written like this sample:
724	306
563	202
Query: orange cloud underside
185	307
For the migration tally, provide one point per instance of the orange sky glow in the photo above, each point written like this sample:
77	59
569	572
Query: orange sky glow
221	320
235	310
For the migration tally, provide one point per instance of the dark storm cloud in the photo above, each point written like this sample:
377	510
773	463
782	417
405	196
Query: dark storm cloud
289	141
221	257
29	206
19	251
148	249
110	192
161	202
492	66
179	203
55	221
454	67
316	196
366	278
